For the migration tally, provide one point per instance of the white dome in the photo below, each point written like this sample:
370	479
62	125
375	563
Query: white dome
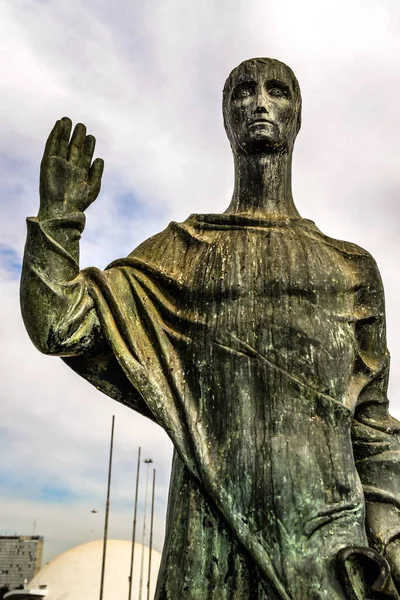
75	574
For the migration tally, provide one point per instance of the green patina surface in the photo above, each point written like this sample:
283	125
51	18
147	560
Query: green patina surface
258	343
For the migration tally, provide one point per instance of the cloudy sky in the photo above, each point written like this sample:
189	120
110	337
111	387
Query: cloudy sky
146	78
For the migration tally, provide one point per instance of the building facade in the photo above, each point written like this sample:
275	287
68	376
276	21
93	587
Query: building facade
20	559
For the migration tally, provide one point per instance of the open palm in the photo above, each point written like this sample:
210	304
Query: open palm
69	181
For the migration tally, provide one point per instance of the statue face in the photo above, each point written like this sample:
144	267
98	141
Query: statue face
262	107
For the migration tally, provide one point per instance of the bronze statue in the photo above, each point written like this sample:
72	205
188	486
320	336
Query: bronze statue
258	343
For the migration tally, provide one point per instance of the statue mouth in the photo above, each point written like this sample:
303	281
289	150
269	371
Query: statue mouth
260	122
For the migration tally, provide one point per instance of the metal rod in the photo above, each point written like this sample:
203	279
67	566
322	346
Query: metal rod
103	566
134	525
147	461
151	533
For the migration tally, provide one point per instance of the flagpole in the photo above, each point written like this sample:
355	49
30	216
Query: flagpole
151	533
134	525
107	512
147	461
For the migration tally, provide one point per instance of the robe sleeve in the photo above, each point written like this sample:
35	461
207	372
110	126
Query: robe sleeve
376	435
58	312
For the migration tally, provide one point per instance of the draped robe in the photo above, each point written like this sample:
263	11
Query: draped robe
259	346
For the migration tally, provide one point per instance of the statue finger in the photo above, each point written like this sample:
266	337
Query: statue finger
65	132
52	147
95	173
76	144
87	152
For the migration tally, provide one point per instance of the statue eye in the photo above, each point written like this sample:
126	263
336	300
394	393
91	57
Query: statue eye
278	89
277	93
243	91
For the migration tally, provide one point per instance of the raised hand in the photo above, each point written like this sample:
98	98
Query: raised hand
69	181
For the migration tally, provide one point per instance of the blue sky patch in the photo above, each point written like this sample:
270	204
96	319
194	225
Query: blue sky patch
27	487
130	206
10	260
57	495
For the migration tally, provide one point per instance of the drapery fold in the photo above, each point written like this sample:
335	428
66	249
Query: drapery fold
241	337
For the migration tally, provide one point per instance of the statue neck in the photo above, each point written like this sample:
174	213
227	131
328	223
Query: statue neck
263	186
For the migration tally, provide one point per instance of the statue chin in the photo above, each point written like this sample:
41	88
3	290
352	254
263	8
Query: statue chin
267	146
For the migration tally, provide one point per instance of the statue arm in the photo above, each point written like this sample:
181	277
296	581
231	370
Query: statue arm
58	312
376	434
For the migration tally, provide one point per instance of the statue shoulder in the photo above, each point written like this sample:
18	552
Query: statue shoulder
160	243
355	256
342	246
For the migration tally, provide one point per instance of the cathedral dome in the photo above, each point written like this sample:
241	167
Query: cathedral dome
75	574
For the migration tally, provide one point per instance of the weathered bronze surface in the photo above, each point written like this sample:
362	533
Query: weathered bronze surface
258	343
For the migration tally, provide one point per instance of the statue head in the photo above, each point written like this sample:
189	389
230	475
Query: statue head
262	107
